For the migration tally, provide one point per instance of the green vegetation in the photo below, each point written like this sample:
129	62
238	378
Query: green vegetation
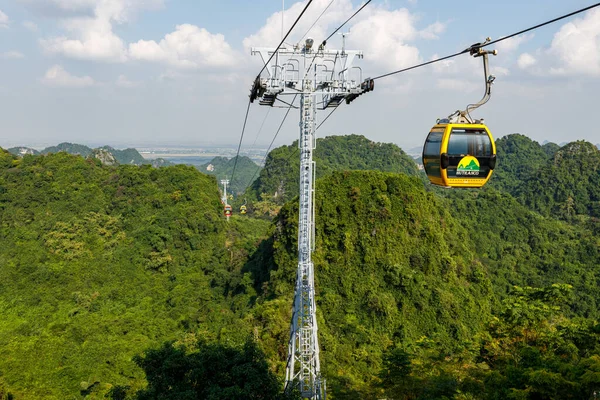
125	282
208	371
567	186
280	178
560	182
71	148
127	156
518	160
17	151
101	263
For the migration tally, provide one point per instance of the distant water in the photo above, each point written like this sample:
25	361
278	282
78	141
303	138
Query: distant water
191	160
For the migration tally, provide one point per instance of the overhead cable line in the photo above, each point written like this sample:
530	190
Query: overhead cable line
237	156
345	22
285	37
290	105
322	122
258	77
317	20
315	56
261	127
542	24
295	151
324	43
272	141
328	115
480	45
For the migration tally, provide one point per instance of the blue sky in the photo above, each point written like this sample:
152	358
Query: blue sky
175	72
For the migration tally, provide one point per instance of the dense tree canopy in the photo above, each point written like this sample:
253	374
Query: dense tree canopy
127	282
281	175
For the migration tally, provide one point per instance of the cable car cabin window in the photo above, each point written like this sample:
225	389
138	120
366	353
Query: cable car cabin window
431	154
469	154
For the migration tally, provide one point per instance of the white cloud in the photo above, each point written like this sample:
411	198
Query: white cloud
12	55
513	43
526	60
56	76
187	47
91	37
269	35
123	82
384	35
433	30
97	45
577	45
461	85
463	65
122	9
499	71
3	20
30	25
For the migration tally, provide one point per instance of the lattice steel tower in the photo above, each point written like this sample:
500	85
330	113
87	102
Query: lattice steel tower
328	76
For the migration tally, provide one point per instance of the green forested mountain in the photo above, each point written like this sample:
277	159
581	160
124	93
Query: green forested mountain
518	159
125	282
393	266
127	156
280	176
398	267
21	150
562	182
568	185
245	171
71	148
98	264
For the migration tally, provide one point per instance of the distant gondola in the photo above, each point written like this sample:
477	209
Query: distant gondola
227	210
243	210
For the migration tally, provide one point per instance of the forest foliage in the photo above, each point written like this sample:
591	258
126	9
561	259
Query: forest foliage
279	179
126	282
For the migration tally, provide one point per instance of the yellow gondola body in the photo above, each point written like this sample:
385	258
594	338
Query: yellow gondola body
243	210
459	155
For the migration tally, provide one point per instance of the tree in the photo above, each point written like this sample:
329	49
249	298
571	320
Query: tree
213	371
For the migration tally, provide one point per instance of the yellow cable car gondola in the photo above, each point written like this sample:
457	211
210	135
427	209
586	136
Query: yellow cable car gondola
243	209
459	151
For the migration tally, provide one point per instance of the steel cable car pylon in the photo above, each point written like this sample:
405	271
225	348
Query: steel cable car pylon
460	151
311	73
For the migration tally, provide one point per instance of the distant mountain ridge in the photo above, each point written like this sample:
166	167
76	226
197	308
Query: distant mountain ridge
281	175
562	181
22	150
127	156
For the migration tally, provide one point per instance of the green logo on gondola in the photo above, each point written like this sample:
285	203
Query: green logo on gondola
468	166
